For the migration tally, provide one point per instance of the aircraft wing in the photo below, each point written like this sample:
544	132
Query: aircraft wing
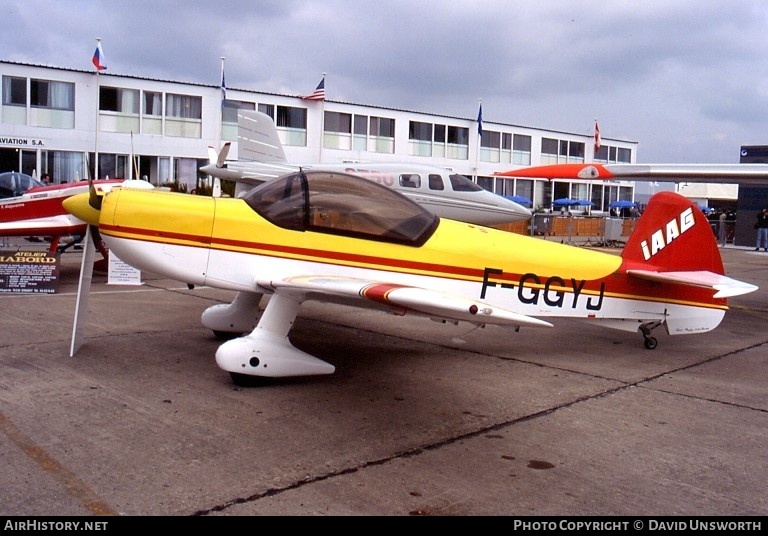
719	173
399	298
726	287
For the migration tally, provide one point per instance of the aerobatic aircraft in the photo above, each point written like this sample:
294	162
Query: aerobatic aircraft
447	194
335	237
36	211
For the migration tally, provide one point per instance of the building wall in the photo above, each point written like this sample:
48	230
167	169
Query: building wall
166	155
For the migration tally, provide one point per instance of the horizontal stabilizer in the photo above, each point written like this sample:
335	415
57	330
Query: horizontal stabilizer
401	298
725	286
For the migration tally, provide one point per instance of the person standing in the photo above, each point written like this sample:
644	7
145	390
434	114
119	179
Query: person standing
722	233
762	230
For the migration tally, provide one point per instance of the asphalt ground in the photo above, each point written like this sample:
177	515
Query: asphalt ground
420	418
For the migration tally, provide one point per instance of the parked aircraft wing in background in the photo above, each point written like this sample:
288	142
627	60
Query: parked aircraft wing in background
718	173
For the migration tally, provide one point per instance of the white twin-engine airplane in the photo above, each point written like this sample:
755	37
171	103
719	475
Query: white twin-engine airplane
448	195
335	237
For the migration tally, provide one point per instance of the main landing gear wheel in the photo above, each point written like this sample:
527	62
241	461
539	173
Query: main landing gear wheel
651	342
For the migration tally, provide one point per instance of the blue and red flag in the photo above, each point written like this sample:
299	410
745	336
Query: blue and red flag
98	58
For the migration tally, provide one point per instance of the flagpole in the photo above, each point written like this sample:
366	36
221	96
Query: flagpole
322	121
96	136
223	98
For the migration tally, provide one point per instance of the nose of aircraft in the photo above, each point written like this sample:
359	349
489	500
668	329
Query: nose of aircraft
80	207
509	207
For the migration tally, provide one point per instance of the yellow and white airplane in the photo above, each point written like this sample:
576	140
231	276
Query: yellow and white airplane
335	237
447	194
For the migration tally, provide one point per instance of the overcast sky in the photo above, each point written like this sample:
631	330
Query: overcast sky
687	79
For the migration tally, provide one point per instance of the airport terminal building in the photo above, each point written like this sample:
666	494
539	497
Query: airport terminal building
70	123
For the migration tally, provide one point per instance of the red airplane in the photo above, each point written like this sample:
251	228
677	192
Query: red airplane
37	212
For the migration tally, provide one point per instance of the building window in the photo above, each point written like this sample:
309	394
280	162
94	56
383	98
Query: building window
438	147
231	107
457	143
420	138
183	106
52	95
292	125
118	109
229	117
14	100
576	152
382	135
183	115
268	109
14	91
521	150
113	99
490	146
153	103
337	130
152	120
420	131
360	133
289	117
610	153
561	151
624	155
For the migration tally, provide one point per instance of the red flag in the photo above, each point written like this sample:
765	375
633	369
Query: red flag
597	137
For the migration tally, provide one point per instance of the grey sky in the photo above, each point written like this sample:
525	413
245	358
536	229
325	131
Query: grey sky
686	79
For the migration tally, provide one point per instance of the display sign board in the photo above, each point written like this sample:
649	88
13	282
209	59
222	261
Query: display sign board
29	272
122	273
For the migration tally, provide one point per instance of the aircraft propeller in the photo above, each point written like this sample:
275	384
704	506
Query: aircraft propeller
91	242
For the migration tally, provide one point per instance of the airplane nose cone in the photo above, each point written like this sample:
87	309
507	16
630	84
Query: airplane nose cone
79	206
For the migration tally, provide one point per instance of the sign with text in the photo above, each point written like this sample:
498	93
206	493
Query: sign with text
122	273
29	272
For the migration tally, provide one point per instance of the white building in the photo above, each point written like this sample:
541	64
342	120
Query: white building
49	123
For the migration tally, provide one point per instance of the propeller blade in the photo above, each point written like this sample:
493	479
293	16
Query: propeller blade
83	292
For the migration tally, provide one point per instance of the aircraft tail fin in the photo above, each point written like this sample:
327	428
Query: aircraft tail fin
674	243
673	234
257	138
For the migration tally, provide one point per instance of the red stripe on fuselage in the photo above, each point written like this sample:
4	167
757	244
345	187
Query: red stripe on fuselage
617	284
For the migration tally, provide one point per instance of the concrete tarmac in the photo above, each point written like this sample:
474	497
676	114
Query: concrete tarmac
420	418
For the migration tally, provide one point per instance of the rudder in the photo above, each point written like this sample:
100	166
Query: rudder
673	234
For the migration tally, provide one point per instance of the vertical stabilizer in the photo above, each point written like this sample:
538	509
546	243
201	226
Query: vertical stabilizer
257	138
673	235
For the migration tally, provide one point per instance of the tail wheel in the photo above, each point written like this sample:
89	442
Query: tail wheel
650	342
